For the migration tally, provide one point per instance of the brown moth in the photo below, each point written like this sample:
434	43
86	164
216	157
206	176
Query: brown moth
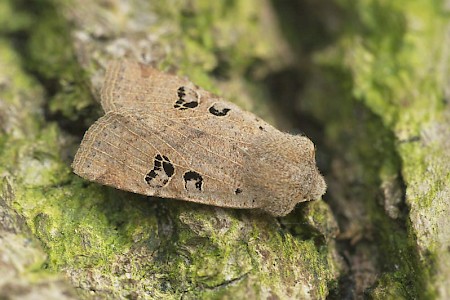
164	136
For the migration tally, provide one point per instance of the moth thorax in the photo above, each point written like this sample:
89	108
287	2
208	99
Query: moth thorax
283	172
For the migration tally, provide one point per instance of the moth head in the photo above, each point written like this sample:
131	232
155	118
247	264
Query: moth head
284	172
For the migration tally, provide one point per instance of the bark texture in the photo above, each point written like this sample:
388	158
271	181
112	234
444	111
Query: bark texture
366	80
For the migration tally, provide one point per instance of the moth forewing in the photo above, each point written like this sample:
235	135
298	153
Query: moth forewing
164	136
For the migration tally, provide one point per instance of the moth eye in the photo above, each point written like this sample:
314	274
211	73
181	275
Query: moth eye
193	181
219	110
187	98
161	173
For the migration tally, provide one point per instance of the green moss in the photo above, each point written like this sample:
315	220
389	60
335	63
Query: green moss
220	259
50	54
366	150
119	244
372	158
16	91
388	69
209	45
211	37
400	76
388	287
20	22
21	160
393	66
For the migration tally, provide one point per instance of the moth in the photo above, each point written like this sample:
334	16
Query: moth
163	136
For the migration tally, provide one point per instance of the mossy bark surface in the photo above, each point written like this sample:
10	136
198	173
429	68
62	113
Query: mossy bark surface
366	80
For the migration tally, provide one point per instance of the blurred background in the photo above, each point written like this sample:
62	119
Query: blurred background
366	81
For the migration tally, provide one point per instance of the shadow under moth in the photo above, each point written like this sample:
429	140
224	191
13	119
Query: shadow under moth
163	136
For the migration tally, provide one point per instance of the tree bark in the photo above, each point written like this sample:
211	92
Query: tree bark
365	80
